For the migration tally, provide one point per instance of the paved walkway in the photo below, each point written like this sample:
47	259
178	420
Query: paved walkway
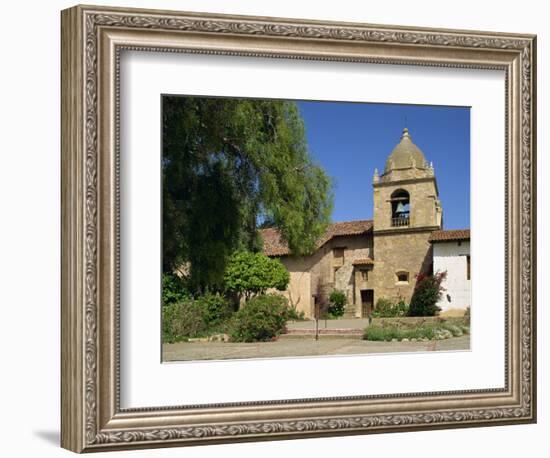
189	351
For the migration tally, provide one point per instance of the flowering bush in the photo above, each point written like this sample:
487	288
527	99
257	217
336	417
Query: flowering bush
427	292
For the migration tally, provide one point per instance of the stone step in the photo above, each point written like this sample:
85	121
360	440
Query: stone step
325	331
358	336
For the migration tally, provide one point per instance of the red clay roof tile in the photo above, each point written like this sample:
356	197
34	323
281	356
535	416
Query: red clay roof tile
450	235
274	245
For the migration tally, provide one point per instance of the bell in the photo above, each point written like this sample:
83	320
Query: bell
400	208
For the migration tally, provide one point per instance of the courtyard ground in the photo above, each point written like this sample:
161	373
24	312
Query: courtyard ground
303	346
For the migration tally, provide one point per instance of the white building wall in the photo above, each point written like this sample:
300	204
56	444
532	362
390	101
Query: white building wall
452	257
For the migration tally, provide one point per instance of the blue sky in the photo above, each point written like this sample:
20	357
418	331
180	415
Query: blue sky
350	140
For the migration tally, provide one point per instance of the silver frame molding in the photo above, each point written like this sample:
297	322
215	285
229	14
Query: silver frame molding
92	39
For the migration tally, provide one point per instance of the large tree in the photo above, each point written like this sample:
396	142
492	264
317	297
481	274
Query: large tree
229	165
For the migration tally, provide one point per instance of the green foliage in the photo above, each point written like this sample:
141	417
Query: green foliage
250	273
198	317
215	310
295	315
181	320
261	319
228	164
430	331
386	308
212	227
456	331
379	333
173	289
337	303
427	292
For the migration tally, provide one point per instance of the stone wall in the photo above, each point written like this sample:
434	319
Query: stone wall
299	292
424	203
356	248
318	274
405	251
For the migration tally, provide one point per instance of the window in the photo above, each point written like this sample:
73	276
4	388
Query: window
403	277
467	267
338	256
400	208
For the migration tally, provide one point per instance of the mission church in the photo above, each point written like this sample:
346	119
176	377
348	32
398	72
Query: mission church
380	258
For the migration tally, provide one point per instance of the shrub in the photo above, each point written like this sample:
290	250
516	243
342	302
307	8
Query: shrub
385	308
173	289
375	333
260	319
388	333
295	315
424	329
456	331
427	292
250	273
182	320
215	309
198	317
337	303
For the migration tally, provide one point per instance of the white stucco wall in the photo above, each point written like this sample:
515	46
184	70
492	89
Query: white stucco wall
451	256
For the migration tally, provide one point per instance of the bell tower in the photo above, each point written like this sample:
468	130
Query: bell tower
406	196
406	211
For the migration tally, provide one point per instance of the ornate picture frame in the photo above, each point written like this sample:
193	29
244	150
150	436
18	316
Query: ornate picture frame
92	40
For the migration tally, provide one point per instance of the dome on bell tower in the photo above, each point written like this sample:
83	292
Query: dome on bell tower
406	195
406	155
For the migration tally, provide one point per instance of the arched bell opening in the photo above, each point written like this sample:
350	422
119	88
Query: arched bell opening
400	208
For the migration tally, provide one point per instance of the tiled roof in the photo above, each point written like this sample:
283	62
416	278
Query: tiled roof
274	245
363	262
450	235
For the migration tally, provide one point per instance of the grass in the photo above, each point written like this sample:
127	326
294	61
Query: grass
435	330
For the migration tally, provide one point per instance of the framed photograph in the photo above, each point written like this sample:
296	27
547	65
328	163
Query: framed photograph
278	228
